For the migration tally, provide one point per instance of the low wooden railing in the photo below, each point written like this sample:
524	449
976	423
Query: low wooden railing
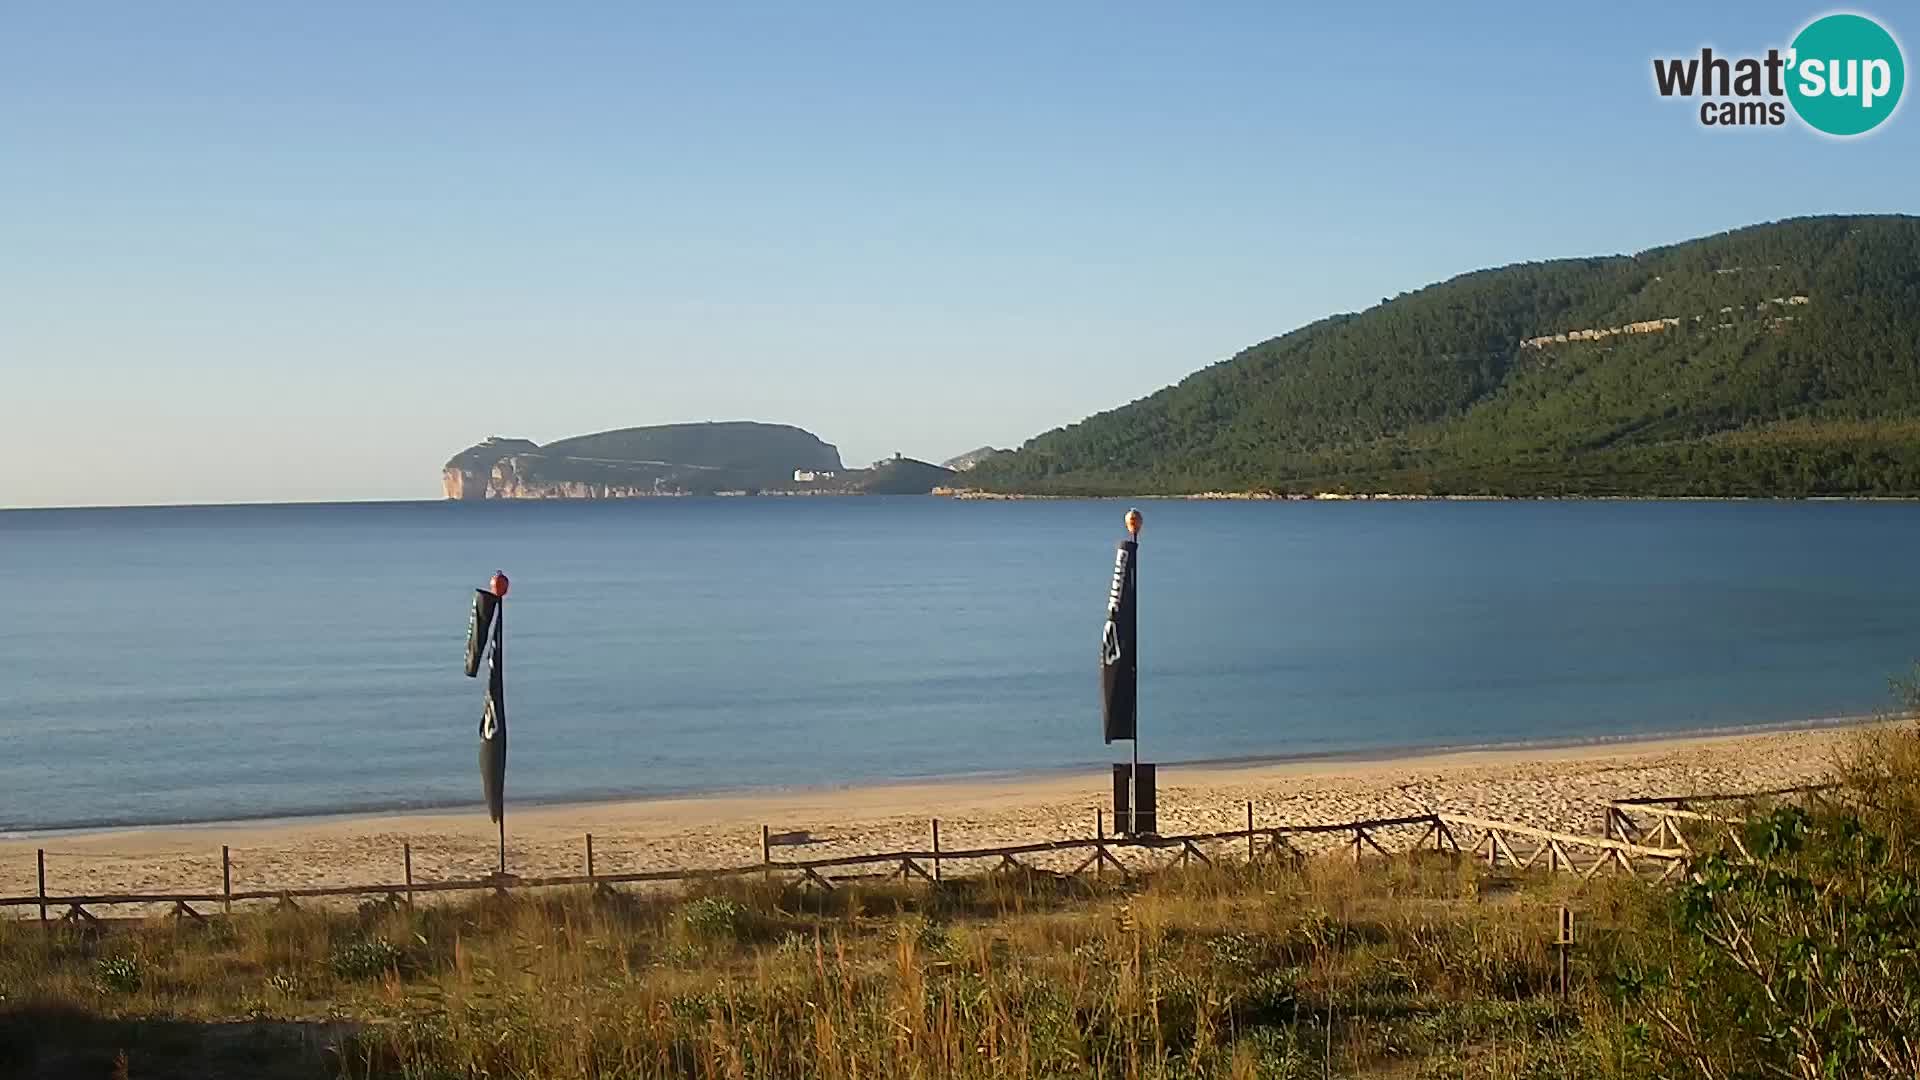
1357	839
1671	812
1612	853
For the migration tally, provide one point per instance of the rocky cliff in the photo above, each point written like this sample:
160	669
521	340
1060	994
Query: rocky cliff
669	459
467	474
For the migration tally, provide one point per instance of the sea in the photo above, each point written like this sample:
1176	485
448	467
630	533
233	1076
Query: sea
190	664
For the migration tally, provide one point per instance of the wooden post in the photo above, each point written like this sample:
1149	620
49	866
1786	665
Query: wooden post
936	851
226	880
589	858
766	854
40	857
1100	847
1565	946
406	852
1249	832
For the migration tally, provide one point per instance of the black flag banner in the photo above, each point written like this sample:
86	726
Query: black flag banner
1119	665
488	625
479	628
493	723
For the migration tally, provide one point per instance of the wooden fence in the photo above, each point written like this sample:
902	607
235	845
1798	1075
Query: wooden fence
1670	813
1497	841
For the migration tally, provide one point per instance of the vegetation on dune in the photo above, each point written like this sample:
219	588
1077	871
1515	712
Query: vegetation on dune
1751	391
1795	962
1799	955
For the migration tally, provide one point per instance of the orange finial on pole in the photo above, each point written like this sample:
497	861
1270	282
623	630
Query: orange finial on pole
498	586
1133	524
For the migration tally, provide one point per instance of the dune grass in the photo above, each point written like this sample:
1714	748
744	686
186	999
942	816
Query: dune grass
1424	962
1797	962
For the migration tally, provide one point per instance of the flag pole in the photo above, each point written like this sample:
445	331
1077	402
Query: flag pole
499	657
494	728
1133	774
1133	783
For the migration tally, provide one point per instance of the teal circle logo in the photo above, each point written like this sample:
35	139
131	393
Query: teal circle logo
1846	74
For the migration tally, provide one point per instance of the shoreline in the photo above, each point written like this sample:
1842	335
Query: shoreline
982	495
1405	754
958	494
1562	787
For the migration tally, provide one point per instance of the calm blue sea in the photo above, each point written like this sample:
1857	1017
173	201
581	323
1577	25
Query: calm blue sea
184	664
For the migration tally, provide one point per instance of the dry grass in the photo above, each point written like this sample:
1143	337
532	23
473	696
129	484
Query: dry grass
1417	966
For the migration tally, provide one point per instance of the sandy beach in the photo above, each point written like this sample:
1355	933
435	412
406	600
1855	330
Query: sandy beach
1565	788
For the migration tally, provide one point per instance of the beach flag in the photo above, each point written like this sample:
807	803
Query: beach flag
1119	662
480	629
489	623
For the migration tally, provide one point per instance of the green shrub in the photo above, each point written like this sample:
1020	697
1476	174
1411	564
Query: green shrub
118	974
367	958
1280	1054
1236	951
1795	951
715	918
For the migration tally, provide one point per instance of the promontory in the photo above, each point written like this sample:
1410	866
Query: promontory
737	457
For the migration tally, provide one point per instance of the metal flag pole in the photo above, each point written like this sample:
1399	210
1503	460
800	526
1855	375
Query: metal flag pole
499	585
492	603
1133	788
1133	774
486	626
1120	679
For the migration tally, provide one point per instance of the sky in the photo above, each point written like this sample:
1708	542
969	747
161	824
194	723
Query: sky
290	252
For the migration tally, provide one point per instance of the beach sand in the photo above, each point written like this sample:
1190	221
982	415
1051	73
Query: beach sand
1563	788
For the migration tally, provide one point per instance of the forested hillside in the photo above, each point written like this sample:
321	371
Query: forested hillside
741	445
1781	359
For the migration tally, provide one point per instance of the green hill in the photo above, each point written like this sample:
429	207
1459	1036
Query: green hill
668	459
903	476
1780	359
739	445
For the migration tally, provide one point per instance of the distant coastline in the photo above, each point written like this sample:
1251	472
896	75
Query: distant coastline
977	495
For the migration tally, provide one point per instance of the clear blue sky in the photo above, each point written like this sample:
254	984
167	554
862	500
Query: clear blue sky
307	251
